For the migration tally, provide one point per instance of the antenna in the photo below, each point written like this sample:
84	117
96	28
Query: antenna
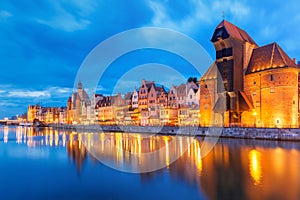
223	14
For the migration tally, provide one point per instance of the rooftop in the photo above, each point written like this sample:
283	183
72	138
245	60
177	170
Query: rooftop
270	56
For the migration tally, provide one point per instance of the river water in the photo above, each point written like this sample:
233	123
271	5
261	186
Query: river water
57	164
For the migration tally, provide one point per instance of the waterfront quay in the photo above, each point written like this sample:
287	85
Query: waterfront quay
292	134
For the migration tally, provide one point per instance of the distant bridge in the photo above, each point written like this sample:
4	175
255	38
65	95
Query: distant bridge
10	122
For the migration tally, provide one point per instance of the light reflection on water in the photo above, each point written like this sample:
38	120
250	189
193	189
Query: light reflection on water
234	169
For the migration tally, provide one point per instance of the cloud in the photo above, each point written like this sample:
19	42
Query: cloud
235	9
68	17
5	103
200	14
66	23
52	92
59	90
5	14
186	23
29	94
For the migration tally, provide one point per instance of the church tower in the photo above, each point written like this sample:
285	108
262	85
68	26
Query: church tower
80	89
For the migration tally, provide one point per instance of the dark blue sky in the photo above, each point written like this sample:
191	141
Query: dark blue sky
43	43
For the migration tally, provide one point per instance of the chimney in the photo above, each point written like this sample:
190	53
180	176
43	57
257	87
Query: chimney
294	60
298	64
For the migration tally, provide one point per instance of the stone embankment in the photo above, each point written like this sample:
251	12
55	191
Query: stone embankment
292	134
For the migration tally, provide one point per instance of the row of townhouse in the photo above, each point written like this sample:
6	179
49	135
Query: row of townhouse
47	114
151	104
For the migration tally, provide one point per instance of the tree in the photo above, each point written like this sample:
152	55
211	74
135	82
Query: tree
192	79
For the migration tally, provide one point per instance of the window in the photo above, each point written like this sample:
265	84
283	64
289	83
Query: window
191	96
254	94
271	77
294	102
257	104
272	90
254	83
224	53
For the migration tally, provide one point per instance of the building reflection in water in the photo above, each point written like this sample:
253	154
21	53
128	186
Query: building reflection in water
255	166
136	152
76	151
234	169
35	137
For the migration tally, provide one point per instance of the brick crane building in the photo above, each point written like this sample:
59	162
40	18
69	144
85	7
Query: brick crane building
249	85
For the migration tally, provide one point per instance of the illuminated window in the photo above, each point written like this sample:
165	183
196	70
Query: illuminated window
254	93
272	90
257	104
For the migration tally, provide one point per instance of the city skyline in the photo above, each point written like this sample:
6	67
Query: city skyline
46	43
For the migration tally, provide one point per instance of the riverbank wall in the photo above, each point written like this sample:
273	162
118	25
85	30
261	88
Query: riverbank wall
292	134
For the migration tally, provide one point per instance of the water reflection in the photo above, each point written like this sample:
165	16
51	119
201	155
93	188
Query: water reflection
76	151
234	169
255	166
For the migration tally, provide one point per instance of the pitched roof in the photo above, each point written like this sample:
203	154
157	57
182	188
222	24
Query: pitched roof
106	101
211	73
236	32
267	57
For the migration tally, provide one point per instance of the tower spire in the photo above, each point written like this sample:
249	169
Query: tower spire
79	84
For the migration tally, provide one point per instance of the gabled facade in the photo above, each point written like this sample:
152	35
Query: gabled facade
193	97
181	94
172	97
135	99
